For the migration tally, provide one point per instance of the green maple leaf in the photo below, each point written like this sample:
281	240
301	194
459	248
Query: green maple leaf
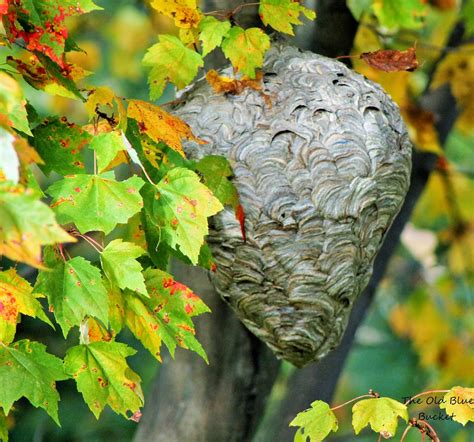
104	377
60	145
121	267
26	224
246	48
407	14
96	202
170	61
27	370
107	146
282	14
381	413
212	33
164	317
74	289
217	172
181	208
316	422
16	298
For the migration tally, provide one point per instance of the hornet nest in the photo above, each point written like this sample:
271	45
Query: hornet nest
321	174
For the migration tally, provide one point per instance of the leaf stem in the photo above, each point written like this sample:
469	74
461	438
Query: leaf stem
407	429
370	395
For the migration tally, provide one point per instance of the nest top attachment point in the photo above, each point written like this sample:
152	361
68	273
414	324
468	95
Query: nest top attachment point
321	174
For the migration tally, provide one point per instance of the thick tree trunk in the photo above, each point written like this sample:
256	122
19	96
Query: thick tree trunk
192	401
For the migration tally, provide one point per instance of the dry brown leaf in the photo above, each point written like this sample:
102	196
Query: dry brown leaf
389	60
233	86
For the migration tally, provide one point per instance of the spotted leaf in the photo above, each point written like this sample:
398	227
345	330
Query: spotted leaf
74	289
95	202
184	12
181	208
160	126
41	24
164	317
104	378
60	144
16	298
29	371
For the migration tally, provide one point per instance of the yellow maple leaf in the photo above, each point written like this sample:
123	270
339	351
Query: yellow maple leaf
161	126
459	402
184	12
16	298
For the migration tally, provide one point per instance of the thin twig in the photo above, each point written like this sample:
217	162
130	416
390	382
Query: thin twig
370	395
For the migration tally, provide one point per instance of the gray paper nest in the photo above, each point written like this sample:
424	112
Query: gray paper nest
321	174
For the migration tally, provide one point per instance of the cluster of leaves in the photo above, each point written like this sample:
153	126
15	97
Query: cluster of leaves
177	60
127	166
382	414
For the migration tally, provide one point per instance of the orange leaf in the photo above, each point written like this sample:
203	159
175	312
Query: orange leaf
389	60
233	86
161	126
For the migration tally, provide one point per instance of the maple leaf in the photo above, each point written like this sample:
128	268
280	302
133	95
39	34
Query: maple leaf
400	14
60	144
181	208
459	402
184	12
12	104
161	126
31	373
104	378
26	224
282	14
233	86
41	24
389	60
121	267
42	73
381	413
16	297
316	422
212	33
246	48
170	60
162	318
96	202
106	145
74	289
